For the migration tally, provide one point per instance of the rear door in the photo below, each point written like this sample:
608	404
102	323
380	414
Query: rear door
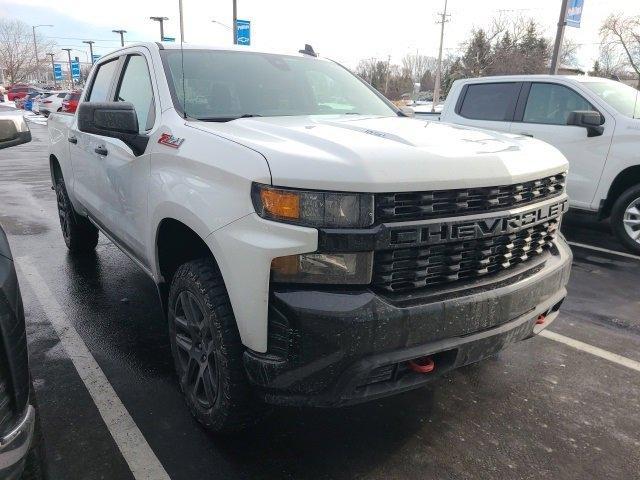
489	105
543	112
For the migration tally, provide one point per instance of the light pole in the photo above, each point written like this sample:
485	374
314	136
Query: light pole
121	32
53	69
235	22
35	47
562	22
160	20
68	50
90	43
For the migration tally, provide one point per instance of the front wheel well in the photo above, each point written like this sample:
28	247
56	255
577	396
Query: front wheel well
625	179
54	167
176	244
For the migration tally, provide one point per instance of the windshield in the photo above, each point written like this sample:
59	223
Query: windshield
225	85
620	96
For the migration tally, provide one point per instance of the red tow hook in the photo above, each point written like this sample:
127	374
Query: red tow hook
422	365
541	319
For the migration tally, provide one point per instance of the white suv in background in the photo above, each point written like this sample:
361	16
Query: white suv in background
593	121
51	103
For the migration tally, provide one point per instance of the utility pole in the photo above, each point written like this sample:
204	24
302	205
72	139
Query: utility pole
68	50
53	68
562	22
35	49
436	87
235	22
181	22
160	20
121	32
90	43
386	81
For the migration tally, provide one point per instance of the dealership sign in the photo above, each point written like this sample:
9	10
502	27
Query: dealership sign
574	13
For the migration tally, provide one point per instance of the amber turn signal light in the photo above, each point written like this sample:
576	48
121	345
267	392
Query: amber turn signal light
280	203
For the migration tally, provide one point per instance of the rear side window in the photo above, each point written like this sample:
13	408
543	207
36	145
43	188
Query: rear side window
102	81
551	104
490	101
135	87
62	95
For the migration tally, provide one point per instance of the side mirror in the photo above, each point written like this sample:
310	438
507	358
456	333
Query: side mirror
589	119
112	119
407	111
13	129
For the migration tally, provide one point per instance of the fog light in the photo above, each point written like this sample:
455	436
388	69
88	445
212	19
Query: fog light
325	268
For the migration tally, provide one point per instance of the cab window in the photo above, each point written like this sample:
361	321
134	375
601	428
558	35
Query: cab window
102	81
490	101
551	104
135	88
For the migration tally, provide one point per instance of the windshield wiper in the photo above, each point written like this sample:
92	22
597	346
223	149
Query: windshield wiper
228	119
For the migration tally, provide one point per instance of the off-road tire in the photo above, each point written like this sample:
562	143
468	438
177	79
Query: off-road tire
79	234
618	217
216	357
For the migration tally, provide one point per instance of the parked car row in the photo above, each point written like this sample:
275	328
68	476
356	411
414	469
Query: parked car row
45	102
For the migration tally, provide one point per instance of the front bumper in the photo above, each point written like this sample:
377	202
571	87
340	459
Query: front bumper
338	347
15	445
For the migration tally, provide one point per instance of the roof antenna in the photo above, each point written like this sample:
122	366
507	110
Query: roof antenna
308	50
184	92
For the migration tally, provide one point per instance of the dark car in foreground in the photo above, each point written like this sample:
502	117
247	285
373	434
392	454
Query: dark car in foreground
20	447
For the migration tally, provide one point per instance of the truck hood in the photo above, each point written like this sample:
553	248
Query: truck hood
382	154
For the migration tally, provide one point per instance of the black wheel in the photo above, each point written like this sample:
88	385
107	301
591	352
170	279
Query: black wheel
207	350
79	234
35	466
625	218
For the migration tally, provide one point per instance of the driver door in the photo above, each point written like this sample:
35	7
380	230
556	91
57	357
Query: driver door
543	112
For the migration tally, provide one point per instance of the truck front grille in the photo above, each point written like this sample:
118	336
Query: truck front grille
408	206
416	267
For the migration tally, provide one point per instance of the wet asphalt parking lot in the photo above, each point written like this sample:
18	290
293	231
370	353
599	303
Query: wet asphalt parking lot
541	409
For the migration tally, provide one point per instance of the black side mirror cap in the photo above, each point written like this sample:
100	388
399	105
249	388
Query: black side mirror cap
589	119
112	119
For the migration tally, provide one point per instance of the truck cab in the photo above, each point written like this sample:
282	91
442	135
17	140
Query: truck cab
594	122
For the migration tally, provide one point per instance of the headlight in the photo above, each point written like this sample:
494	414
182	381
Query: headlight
313	208
326	268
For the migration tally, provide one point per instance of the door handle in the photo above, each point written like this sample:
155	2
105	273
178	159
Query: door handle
101	151
526	134
73	139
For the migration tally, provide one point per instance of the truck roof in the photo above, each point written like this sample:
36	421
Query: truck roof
190	46
522	78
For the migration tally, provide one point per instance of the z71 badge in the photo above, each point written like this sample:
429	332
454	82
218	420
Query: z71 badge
170	141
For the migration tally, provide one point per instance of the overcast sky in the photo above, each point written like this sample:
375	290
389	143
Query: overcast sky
345	30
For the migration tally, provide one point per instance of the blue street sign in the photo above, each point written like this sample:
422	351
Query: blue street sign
574	13
75	69
243	32
95	58
168	39
57	71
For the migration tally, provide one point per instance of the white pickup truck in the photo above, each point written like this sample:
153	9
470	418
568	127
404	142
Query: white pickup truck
593	121
311	245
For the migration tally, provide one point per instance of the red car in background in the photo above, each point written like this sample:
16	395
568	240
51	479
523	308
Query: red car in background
18	90
70	102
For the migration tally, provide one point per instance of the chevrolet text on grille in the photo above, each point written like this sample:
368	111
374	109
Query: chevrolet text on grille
467	229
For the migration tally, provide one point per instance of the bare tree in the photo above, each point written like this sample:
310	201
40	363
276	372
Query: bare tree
569	52
623	34
417	65
17	54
